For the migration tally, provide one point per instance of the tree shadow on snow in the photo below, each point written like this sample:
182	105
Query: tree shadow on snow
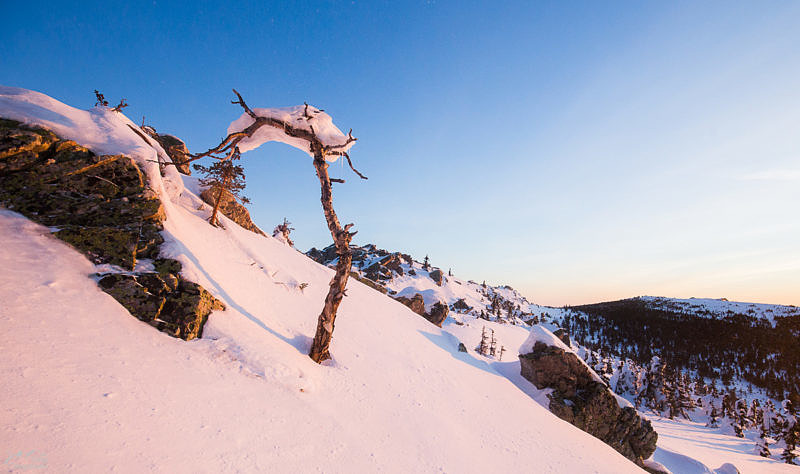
300	342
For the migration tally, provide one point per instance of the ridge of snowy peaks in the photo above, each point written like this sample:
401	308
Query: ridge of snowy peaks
398	275
82	377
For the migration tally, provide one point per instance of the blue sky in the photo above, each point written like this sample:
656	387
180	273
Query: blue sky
579	151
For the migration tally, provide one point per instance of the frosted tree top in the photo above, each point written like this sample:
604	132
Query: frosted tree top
299	116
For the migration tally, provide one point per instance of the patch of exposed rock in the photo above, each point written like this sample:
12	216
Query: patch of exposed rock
438	312
163	300
437	277
232	209
175	148
102	206
580	399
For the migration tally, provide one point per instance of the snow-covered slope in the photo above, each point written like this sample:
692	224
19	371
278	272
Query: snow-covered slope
88	388
402	276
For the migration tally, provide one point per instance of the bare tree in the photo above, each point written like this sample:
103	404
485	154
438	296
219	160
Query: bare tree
320	348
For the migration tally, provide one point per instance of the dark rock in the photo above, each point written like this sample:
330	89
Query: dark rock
412	272
324	256
437	276
103	244
232	209
392	262
562	334
372	284
167	265
176	150
438	313
461	305
102	206
580	399
462	347
416	304
133	296
180	310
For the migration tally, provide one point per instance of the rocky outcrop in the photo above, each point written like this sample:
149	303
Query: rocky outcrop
438	312
416	304
374	285
232	209
164	300
174	147
579	398
437	277
461	305
563	335
326	255
102	206
99	204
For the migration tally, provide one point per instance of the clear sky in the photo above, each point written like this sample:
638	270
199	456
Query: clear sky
578	151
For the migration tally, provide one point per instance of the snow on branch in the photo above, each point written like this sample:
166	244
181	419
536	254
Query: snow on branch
304	127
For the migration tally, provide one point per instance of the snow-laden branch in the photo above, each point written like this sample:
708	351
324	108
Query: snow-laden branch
304	127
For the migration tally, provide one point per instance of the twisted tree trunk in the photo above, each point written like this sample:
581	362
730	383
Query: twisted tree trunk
341	238
213	219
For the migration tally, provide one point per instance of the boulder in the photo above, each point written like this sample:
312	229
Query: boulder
166	301
461	305
579	398
562	334
437	276
416	304
232	209
438	313
175	148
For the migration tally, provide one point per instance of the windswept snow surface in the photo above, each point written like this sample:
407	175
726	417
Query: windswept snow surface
321	122
88	388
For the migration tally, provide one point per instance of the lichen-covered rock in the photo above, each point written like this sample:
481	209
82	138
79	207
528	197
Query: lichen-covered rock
231	209
167	265
103	244
579	398
133	296
180	310
101	205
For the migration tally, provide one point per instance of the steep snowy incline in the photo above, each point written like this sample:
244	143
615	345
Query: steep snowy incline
92	389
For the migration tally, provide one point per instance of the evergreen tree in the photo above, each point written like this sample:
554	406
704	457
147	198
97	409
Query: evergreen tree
713	416
223	176
762	444
282	232
790	437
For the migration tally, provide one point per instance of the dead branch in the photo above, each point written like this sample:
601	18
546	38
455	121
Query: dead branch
122	104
